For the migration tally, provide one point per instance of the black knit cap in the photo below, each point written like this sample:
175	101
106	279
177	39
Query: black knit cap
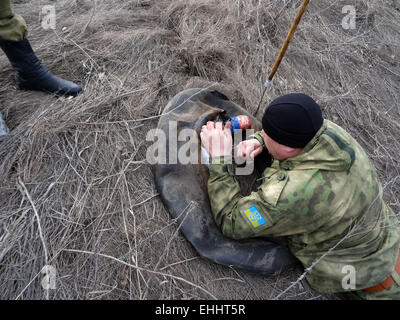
292	120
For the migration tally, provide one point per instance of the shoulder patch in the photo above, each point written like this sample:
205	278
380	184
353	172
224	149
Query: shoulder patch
255	218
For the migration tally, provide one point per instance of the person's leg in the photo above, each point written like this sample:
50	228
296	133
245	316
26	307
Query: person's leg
30	74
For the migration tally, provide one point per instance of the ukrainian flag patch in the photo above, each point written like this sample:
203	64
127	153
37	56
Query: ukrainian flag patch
254	216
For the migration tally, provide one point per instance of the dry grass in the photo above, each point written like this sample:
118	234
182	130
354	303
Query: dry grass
73	174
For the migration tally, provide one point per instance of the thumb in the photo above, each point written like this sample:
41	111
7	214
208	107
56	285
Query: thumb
241	149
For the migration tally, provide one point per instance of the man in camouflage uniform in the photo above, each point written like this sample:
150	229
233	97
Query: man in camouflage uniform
321	191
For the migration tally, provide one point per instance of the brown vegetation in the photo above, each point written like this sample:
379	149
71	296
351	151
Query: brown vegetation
75	190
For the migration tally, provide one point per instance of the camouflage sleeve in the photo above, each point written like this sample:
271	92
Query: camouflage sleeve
258	215
226	204
259	137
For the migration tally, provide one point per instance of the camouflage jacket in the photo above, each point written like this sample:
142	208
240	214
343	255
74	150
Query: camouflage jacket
327	200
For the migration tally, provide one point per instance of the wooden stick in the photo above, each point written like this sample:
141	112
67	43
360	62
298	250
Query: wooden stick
284	47
289	38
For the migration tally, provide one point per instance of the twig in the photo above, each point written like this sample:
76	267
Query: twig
91	17
22	184
144	201
176	263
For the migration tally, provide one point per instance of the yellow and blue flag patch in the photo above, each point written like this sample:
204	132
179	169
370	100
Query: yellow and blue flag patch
254	216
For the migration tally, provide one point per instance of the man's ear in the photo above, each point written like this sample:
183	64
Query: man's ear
292	152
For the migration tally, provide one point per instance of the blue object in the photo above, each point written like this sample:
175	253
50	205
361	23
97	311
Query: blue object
235	125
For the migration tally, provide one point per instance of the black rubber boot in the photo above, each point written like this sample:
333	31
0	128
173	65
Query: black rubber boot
30	74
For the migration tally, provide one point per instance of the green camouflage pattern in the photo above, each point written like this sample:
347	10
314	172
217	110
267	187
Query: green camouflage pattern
12	26
327	200
260	138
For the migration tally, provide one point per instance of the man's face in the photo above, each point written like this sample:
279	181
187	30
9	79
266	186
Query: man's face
279	151
271	145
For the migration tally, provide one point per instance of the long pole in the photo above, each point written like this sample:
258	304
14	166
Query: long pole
284	47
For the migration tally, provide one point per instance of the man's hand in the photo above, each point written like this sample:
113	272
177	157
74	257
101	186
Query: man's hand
249	149
217	139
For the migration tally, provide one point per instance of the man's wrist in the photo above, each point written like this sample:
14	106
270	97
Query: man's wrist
258	136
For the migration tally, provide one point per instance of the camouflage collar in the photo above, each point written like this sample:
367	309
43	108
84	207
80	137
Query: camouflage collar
315	139
322	152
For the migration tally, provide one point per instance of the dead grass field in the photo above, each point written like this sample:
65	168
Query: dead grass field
78	166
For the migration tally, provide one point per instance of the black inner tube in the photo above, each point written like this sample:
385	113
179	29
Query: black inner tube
183	189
